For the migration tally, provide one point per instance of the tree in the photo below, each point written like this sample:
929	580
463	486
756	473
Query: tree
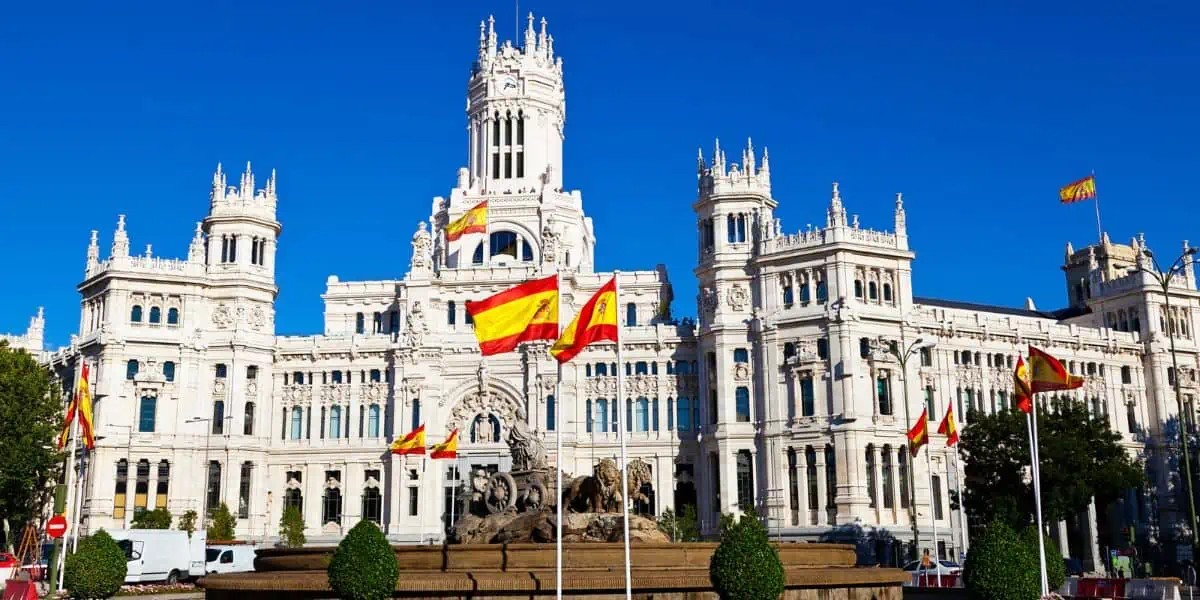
1081	458
1002	566
31	414
291	527
745	566
96	569
222	525
1056	569
682	527
187	522
158	518
364	565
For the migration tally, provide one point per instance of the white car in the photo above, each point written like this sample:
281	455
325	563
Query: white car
232	558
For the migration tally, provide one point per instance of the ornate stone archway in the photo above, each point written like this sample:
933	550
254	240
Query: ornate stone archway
494	398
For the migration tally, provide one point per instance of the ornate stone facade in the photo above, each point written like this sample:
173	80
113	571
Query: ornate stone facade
778	397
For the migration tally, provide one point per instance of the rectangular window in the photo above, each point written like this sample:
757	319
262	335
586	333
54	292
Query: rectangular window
929	403
120	490
742	400
413	500
926	357
685	418
416	414
520	163
164	484
937	498
244	491
902	473
807	397
375	376
169	371
883	391
745	480
214	486
146	414
551	409
508	165
1126	375
496	163
141	490
218	417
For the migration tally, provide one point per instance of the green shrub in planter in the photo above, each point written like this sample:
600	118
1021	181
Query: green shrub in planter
1056	569
96	569
745	566
1002	566
364	566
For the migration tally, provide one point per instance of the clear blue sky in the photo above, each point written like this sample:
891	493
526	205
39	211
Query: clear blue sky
978	112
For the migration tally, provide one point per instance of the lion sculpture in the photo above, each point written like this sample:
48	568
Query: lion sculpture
601	491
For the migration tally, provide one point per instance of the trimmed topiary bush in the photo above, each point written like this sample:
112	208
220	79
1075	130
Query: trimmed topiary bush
1056	569
745	566
364	566
223	524
291	528
96	569
1001	566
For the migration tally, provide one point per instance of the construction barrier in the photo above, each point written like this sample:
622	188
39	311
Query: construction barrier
1114	588
15	589
922	580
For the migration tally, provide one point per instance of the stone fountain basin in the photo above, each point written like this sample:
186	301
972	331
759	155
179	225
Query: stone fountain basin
596	570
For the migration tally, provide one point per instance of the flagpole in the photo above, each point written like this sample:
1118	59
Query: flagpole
962	509
937	565
1031	422
1096	201
558	480
621	435
74	527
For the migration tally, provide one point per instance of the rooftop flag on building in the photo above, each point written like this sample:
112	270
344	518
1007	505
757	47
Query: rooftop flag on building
1021	390
949	427
596	321
446	449
1084	189
1047	374
919	434
526	312
413	443
473	221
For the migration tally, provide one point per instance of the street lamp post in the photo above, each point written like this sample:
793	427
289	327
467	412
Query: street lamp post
902	353
1163	278
207	466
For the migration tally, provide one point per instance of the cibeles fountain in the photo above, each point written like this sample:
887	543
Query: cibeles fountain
504	547
521	505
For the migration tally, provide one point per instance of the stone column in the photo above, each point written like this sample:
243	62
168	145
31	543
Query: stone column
822	492
876	481
314	497
1093	539
801	470
1063	545
392	477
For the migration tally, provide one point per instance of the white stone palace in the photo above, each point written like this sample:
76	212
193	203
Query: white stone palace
781	395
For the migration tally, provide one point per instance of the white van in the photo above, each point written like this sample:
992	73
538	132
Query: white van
160	554
230	558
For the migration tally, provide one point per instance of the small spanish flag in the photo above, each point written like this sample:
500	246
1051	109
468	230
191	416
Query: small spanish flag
949	427
526	312
596	321
446	449
413	443
919	434
81	408
1021	389
474	221
1084	189
1047	374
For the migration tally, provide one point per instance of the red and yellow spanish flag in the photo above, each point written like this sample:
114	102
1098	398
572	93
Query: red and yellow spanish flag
413	443
523	313
919	434
473	221
1021	389
949	427
446	449
596	321
1084	189
1047	374
81	408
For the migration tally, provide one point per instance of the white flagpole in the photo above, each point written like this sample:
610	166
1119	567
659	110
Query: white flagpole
74	527
1031	421
621	436
962	509
558	487
937	564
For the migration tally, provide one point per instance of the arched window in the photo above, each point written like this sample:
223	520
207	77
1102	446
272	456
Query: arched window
169	371
373	421
642	418
331	509
172	316
600	416
248	419
889	500
135	313
477	257
164	484
630	315
297	422
872	291
787	292
822	292
804	293
526	251
902	474
451	312
730	229
810	478
858	288
155	315
335	422
121	488
503	243
641	368
131	369
887	292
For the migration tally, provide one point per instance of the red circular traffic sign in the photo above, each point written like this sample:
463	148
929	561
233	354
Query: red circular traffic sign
56	526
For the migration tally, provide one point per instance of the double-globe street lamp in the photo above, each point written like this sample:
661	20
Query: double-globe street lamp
902	352
1164	279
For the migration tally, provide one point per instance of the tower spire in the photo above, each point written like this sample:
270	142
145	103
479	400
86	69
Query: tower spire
120	245
93	251
196	248
836	215
530	37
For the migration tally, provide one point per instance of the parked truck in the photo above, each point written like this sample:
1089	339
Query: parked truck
168	555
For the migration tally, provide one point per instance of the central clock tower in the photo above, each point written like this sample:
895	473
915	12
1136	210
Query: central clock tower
516	109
